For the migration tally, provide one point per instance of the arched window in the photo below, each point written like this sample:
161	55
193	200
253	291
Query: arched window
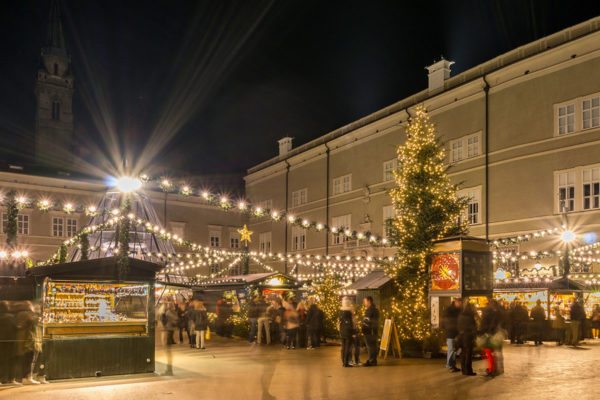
55	69
55	110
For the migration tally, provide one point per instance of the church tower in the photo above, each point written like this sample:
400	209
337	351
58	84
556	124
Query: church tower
54	98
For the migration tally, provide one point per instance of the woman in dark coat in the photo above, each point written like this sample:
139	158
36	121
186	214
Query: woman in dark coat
467	330
347	330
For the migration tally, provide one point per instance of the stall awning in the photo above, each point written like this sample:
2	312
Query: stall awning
264	279
374	280
98	268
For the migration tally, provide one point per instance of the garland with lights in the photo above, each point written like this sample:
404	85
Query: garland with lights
427	209
12	211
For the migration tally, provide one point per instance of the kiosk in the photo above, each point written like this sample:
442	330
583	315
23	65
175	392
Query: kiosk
94	323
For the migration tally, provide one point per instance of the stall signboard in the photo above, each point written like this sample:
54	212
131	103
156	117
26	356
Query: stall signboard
445	272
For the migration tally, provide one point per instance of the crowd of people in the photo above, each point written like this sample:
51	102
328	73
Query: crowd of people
351	330
21	361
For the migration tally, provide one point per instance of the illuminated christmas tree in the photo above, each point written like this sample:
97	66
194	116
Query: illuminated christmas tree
328	297
427	209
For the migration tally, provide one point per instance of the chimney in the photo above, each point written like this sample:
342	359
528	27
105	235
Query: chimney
285	145
438	73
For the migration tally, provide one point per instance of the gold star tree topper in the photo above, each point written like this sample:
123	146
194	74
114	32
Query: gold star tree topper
246	234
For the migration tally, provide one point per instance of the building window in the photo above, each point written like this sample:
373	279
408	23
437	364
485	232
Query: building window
71	227
591	188
566	191
591	112
58	226
473	146
215	239
55	110
456	153
388	169
340	223
234	242
299	197
342	184
264	242
265	204
472	212
388	215
298	238
566	119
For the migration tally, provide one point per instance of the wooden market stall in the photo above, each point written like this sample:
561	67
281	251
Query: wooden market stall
95	322
376	284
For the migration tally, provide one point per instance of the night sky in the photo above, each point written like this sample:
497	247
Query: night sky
213	85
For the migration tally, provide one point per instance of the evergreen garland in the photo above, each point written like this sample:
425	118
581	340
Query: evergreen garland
427	209
12	212
123	241
85	247
62	254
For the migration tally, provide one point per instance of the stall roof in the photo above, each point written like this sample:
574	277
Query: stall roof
374	280
242	280
99	268
556	284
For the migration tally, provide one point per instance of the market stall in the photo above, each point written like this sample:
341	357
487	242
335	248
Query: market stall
377	284
94	322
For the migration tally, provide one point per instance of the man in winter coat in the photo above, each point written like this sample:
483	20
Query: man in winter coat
312	325
450	326
577	319
370	328
518	322
538	316
467	330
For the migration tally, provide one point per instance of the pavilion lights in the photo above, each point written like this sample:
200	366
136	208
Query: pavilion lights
526	237
6	254
128	184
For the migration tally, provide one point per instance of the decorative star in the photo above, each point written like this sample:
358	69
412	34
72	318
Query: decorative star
246	234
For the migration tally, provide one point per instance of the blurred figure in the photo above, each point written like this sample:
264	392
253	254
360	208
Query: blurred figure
450	326
347	330
200	317
263	322
518	321
577	316
170	321
356	338
493	337
370	329
182	322
290	318
467	329
301	310
253	314
8	337
312	324
280	321
538	316
559	325
191	328
596	321
27	344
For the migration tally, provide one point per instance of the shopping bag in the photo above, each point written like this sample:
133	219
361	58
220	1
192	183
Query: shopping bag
207	334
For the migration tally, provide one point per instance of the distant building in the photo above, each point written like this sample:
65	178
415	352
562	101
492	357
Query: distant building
522	133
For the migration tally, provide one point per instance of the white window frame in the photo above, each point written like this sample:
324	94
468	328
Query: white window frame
58	227
456	150
298	238
473	145
472	211
387	212
563	116
590	178
71	225
214	238
264	242
299	197
234	242
341	223
389	167
590	106
565	184
342	184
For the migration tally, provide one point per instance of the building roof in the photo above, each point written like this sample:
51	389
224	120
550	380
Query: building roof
374	280
502	61
56	37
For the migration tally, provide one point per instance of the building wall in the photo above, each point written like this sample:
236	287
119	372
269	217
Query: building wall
524	150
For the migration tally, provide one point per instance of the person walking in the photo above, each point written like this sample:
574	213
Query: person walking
253	314
450	326
301	310
280	322
519	318
312	324
263	322
191	328
370	329
8	337
492	337
291	323
559	325
538	316
467	329
26	344
577	315
200	324
347	330
596	321
356	338
170	321
182	321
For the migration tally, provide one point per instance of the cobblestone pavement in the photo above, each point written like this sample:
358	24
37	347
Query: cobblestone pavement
236	370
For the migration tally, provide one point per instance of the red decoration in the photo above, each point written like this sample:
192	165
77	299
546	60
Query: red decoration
445	272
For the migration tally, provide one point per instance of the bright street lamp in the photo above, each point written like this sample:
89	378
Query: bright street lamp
127	184
568	236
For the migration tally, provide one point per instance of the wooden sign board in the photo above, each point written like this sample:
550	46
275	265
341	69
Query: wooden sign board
390	337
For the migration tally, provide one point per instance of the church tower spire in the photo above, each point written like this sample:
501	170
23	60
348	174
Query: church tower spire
54	97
